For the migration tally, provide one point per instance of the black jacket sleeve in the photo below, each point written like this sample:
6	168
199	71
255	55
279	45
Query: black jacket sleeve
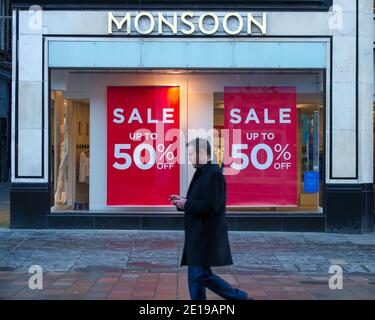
211	200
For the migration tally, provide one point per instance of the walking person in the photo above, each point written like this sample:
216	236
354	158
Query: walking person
206	236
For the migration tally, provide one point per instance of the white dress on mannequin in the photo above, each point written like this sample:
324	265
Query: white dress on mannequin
83	167
62	180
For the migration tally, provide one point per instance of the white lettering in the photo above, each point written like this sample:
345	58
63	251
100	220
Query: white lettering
261	25
188	23
225	23
253	115
119	117
216	23
149	116
335	281
163	20
167	115
151	19
36	280
167	311
135	114
285	115
207	23
235	117
119	24
266	120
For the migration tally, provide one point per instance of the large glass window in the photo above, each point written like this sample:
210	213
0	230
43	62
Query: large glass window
265	127
70	129
282	172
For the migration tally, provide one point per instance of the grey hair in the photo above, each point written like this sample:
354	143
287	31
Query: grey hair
200	144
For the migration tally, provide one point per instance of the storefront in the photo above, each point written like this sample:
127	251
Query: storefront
105	97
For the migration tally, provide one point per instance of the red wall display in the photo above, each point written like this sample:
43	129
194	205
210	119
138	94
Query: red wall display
260	157
142	159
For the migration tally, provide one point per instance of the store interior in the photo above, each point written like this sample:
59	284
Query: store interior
70	129
202	101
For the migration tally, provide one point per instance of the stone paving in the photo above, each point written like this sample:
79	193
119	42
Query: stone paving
108	264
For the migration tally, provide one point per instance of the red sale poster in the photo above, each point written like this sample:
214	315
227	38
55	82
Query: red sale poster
142	145
260	163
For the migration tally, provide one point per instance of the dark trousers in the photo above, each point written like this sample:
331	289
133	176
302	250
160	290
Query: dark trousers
200	278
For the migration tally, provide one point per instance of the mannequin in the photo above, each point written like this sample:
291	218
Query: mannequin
84	164
62	180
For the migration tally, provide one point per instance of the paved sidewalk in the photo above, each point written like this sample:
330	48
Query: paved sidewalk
91	264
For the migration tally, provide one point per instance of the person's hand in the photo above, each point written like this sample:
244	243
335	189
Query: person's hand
180	203
173	197
177	200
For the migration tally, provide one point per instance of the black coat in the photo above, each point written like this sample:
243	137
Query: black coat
206	234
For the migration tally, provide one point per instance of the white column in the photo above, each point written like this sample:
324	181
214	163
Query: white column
28	125
343	27
365	93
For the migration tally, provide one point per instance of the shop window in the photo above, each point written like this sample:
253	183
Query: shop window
309	142
285	175
70	129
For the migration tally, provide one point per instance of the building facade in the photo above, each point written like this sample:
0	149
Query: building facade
106	94
5	89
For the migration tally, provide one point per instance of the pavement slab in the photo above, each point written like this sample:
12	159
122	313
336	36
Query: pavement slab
135	264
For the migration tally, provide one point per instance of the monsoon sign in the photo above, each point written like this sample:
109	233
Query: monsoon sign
187	23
